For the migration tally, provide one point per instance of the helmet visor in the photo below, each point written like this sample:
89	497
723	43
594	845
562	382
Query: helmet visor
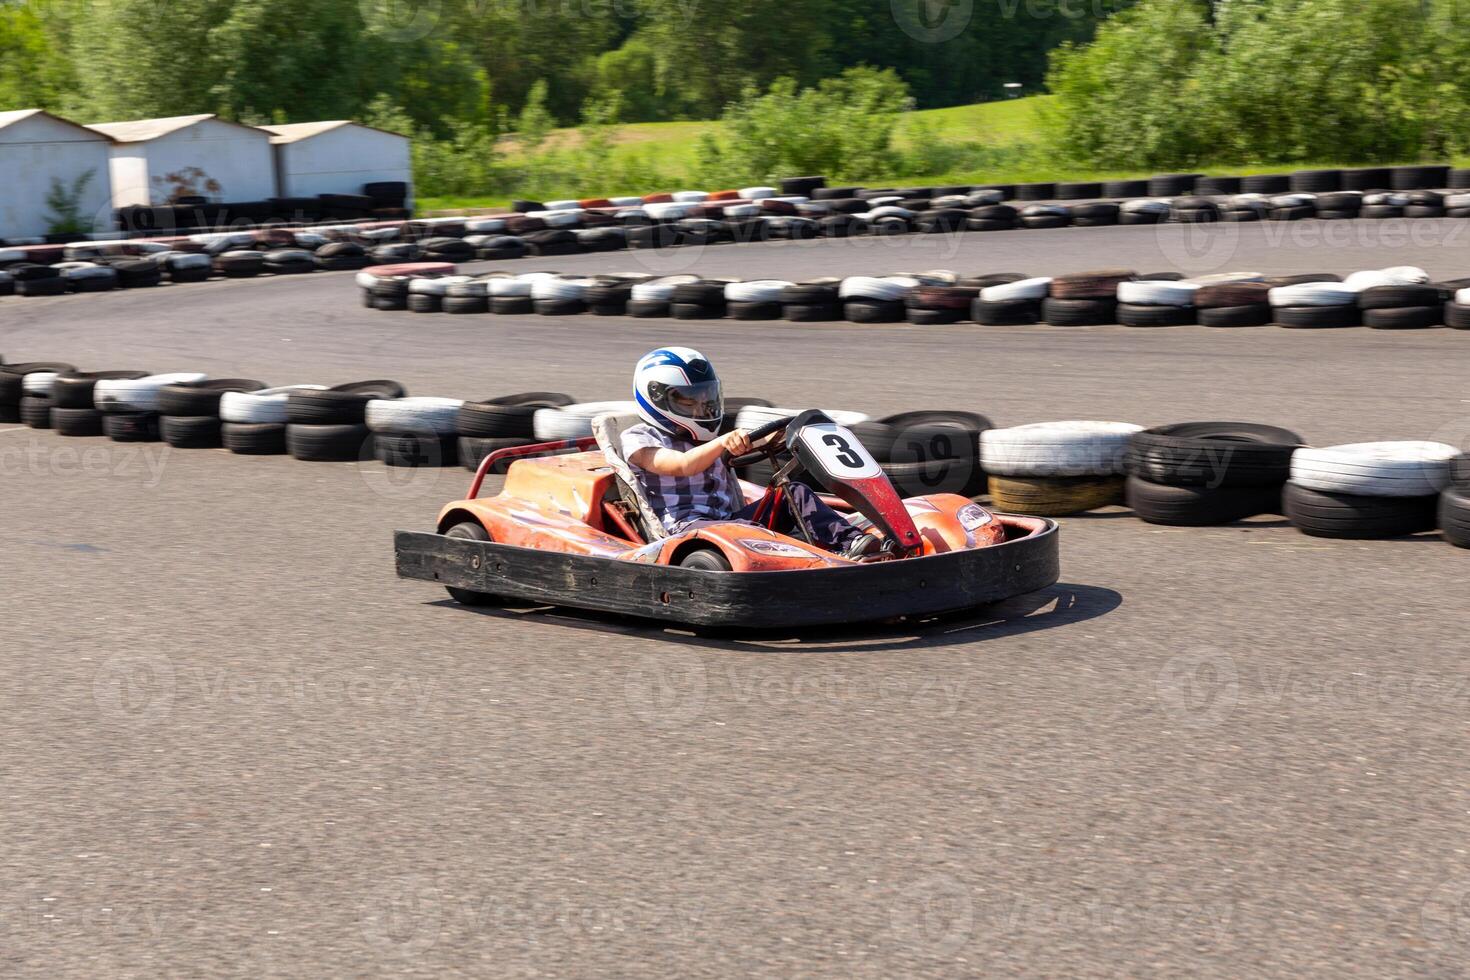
702	402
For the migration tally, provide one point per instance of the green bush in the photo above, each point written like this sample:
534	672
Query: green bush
1182	83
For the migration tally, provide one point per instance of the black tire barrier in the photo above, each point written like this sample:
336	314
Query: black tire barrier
254	438
1090	285
1095	215
1417	178
1141	315
1315	181
416	449
1006	313
1188	506
1365	179
1208	186
1213	454
1405	318
858	310
76	421
474	449
1253	315
753	311
198	398
131	426
1342	515
344	404
1078	312
1317	317
190	431
648	308
36	411
1055	496
465	304
1265	184
73	389
813	312
1454	515
329	443
424	303
558	307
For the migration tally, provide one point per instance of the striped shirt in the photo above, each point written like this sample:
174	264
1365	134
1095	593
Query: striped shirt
713	495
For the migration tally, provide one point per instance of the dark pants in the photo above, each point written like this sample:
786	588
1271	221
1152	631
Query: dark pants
829	528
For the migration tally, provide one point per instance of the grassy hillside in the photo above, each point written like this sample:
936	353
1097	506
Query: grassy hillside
671	145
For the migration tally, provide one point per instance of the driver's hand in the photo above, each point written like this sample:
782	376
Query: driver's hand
737	443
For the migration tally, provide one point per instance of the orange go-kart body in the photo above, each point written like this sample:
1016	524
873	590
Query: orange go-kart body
569	503
560	534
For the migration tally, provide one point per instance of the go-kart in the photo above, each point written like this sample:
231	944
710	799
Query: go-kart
571	528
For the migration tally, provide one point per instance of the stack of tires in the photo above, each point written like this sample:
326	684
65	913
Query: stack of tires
929	451
1156	303
1011	304
32	279
1454	504
130	408
35	400
385	287
426	295
1052	469
253	423
414	432
189	411
699	300
1407	306
1198	474
927	305
1457	310
1243	303
875	299
73	412
1368	490
1084	299
330	424
485	427
1315	305
89	277
758	299
815	301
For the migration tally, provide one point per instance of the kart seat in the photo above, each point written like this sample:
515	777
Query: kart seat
609	431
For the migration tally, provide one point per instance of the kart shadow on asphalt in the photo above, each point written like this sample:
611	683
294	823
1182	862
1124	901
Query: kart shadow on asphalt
1059	605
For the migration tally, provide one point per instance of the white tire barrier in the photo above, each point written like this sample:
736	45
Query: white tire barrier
427	415
1375	469
1157	293
137	396
266	405
660	290
756	291
574	421
1049	449
1313	294
1036	288
889	289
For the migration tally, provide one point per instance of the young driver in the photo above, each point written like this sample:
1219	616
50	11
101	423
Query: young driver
680	458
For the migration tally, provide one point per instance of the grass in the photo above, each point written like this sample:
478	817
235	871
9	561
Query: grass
1008	132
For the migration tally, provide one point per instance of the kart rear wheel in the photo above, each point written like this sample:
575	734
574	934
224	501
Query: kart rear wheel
470	531
706	559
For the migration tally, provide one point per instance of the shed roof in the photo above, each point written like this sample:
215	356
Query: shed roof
140	130
8	119
294	132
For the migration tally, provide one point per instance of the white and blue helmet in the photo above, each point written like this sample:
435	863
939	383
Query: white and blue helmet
678	392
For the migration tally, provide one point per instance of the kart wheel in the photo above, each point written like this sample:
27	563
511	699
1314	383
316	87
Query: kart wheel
706	559
470	531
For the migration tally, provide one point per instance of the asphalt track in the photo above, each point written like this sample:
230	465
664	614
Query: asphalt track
235	745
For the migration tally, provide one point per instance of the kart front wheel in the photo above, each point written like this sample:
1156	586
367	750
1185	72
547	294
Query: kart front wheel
706	559
470	531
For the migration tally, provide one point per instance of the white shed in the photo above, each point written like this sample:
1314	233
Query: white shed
156	161
37	148
337	157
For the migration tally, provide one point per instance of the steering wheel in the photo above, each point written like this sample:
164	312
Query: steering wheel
770	450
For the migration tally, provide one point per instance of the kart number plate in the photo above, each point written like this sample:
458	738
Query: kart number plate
840	452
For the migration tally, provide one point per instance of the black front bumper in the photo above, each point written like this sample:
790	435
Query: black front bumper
814	597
